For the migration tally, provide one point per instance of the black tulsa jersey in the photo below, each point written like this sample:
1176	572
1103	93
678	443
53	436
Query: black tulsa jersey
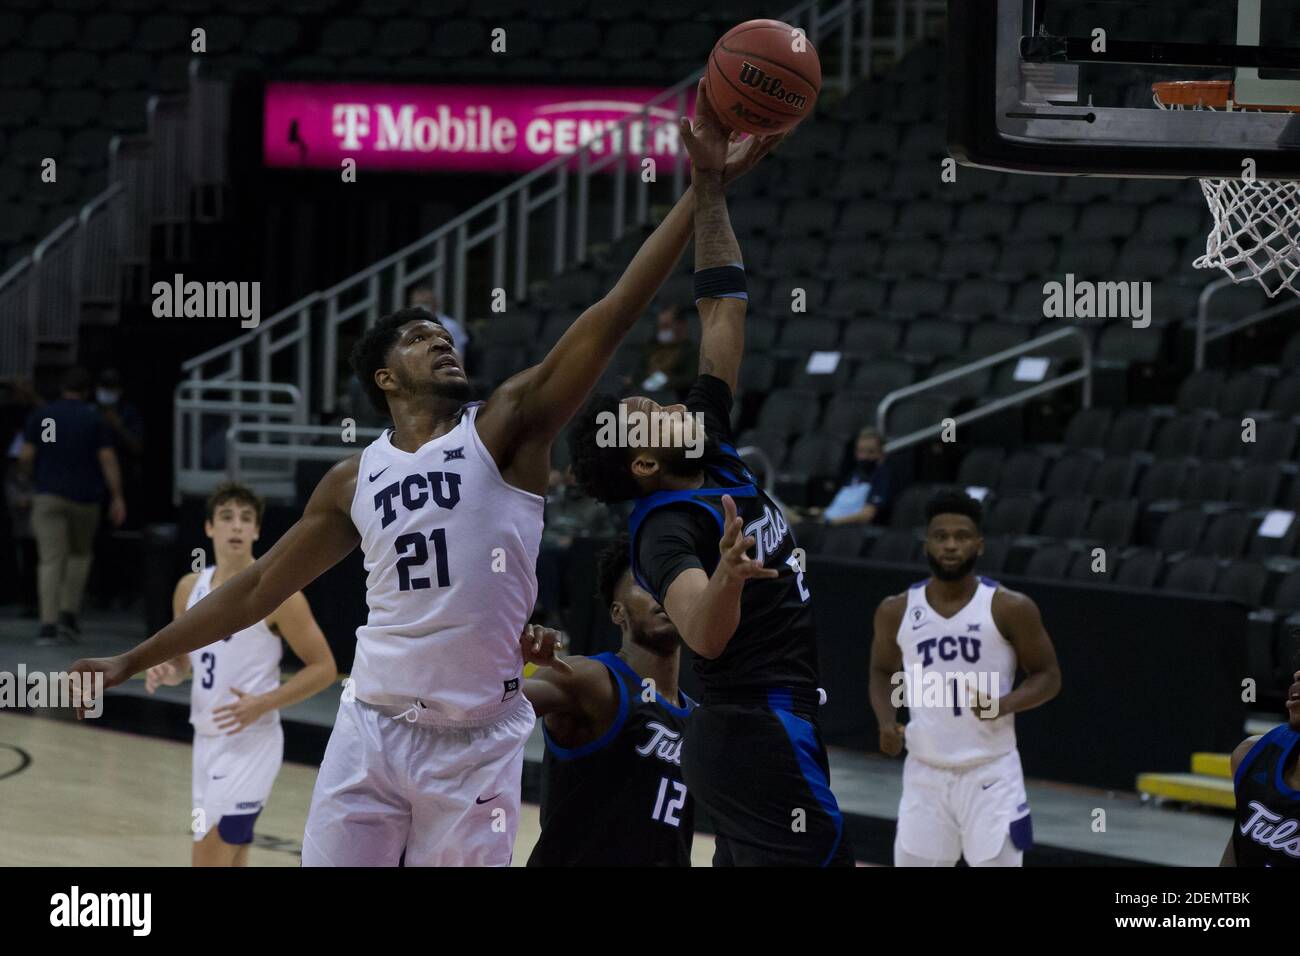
1268	811
775	644
619	800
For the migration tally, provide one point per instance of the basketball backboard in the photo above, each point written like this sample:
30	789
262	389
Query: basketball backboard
1066	86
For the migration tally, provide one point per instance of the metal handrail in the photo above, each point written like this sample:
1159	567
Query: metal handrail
193	408
1083	375
1204	335
92	207
57	233
236	449
15	270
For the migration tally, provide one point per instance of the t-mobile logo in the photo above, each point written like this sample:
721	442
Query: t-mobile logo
351	122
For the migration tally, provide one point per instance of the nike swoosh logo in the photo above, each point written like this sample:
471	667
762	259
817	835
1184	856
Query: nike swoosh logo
222	777
915	626
987	785
380	472
489	799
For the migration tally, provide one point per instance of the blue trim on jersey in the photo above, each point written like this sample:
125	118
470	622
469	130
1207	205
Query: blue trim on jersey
989	581
919	584
804	740
1282	733
1251	754
620	664
780	699
658	499
586	750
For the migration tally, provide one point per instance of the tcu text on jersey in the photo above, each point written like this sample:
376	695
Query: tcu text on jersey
442	488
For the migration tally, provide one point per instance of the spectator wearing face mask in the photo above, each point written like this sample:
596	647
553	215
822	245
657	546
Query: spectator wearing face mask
122	418
868	487
668	364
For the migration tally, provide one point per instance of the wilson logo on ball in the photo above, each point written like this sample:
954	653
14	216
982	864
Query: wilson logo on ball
771	86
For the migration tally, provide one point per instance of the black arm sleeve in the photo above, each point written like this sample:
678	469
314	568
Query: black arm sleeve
711	396
672	540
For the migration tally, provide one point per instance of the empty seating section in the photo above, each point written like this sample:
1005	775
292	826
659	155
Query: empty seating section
72	76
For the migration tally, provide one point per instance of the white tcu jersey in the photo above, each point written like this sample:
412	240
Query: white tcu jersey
451	575
248	659
944	661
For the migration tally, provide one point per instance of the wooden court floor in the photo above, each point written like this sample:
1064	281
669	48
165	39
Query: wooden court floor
72	794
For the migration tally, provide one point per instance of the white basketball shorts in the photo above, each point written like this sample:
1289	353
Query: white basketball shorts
447	795
970	812
231	780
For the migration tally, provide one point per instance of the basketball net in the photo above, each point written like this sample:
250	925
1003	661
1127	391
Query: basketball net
1256	232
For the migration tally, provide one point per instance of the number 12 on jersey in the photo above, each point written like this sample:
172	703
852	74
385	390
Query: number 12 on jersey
414	552
667	812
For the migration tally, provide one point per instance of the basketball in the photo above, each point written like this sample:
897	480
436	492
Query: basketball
763	77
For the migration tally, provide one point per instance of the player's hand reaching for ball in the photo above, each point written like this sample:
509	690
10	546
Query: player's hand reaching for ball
891	739
114	671
734	560
706	139
541	646
165	673
743	155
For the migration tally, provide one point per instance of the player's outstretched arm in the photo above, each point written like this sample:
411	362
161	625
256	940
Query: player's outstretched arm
886	661
534	406
717	256
706	608
1019	620
574	685
322	537
1229	855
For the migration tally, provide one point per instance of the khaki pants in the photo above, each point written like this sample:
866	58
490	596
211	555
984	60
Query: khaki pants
65	534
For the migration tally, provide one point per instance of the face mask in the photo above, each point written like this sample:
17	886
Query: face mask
666	337
105	396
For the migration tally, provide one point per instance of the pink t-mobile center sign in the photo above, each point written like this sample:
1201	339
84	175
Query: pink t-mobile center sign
464	128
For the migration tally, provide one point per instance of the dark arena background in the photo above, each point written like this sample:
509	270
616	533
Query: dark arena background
939	253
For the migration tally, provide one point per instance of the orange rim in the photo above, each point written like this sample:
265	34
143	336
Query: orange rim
1206	94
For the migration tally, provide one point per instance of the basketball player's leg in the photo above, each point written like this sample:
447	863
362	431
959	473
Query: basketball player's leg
1009	855
773	811
465	791
996	826
360	814
227	843
928	831
233	778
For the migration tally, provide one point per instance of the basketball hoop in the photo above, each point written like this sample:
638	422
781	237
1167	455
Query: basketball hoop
1256	222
